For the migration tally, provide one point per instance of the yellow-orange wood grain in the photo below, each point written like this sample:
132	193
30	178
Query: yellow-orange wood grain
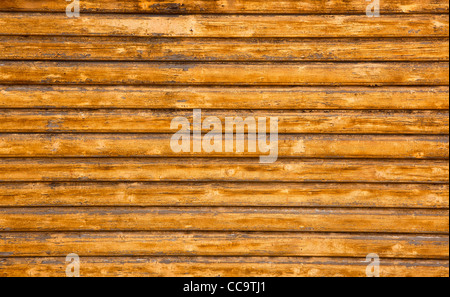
223	267
267	98
225	219
230	7
150	145
154	121
256	74
222	244
185	49
242	194
226	26
213	169
86	165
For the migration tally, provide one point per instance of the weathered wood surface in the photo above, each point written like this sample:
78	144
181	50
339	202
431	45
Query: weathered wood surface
223	267
224	194
138	244
229	7
151	145
291	74
331	98
212	169
166	49
226	26
86	165
154	121
225	219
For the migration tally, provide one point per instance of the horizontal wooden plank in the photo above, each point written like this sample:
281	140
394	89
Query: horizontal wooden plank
392	98
301	121
199	169
144	145
301	50
224	194
140	244
224	6
222	267
225	25
301	74
225	219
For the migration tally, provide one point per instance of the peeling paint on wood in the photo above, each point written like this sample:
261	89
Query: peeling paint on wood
230	7
230	169
226	26
85	159
225	219
224	194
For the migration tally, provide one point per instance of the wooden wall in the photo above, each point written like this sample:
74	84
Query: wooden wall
86	165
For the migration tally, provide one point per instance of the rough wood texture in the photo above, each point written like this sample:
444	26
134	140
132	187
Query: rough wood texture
157	49
230	7
338	98
221	244
198	169
86	165
225	219
301	121
145	145
224	194
226	26
222	267
291	74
